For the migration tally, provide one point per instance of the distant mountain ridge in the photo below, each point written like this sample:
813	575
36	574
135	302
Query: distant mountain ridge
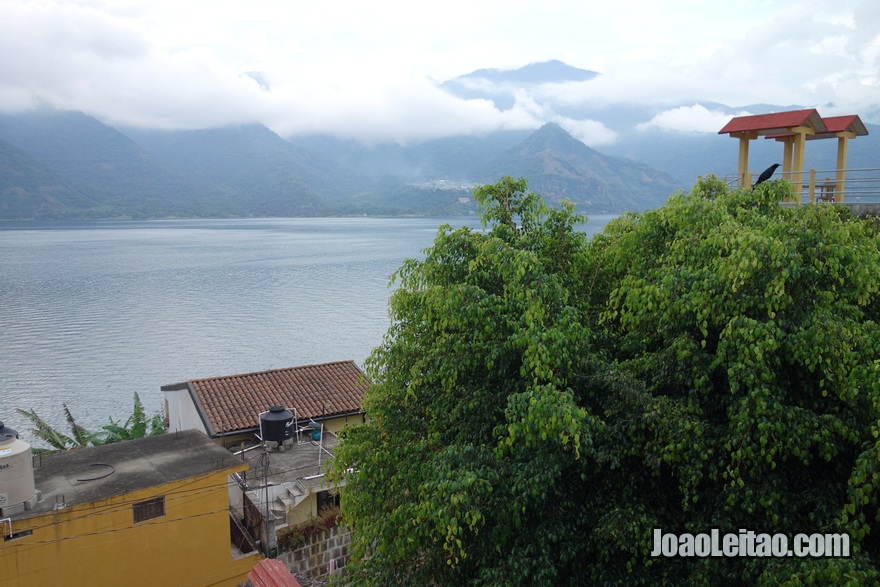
69	165
683	155
498	85
553	71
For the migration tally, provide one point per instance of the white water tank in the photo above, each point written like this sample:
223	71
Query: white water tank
17	491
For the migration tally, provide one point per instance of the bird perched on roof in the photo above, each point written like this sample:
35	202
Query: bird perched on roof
765	175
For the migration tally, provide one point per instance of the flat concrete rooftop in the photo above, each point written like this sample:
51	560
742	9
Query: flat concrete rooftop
95	473
298	462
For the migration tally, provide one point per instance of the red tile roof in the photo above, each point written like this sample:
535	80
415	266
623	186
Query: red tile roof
776	123
850	122
272	573
833	125
234	402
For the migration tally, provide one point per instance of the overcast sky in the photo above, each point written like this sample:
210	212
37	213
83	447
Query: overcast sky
370	69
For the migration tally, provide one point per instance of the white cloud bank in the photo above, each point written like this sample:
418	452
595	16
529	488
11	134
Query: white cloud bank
696	118
364	70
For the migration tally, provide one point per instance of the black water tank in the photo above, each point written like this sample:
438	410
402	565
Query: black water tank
7	433
277	424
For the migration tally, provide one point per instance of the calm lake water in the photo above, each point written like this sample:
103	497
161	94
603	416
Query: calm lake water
91	312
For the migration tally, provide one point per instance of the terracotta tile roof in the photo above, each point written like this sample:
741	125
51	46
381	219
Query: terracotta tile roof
850	122
234	402
776	123
833	125
271	573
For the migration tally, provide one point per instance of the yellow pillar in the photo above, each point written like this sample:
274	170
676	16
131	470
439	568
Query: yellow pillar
842	145
798	166
743	168
786	158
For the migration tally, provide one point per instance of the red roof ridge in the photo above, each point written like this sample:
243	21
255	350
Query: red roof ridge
775	122
267	371
230	404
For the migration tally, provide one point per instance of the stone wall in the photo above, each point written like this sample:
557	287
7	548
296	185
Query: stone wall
323	556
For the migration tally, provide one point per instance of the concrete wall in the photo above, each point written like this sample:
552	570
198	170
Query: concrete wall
181	412
323	556
307	508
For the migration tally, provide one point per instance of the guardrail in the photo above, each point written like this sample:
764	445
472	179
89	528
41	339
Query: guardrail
856	186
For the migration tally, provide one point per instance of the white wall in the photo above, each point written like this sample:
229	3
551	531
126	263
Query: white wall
182	413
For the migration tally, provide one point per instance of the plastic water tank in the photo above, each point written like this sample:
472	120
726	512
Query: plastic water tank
277	425
16	471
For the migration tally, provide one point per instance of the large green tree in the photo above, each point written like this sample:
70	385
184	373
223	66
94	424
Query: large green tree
541	403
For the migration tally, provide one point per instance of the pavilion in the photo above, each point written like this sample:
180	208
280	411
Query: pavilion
793	129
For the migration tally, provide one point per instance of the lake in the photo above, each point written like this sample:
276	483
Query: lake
91	312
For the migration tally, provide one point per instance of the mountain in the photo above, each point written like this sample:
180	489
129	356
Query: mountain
683	155
28	189
105	174
553	71
559	166
69	165
499	85
257	173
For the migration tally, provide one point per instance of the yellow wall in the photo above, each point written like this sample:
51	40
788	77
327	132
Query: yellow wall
334	425
99	544
307	508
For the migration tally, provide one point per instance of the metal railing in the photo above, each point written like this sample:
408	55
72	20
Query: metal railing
858	186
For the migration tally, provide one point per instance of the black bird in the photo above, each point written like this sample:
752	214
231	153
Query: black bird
765	175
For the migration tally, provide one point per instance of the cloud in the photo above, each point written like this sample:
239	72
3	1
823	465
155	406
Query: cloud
696	118
590	132
361	70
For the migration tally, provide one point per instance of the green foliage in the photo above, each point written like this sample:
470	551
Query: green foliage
138	425
541	403
57	440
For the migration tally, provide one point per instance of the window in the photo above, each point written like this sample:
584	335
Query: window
147	510
17	535
327	499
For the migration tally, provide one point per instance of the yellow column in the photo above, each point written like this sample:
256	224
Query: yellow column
786	158
798	167
743	168
842	145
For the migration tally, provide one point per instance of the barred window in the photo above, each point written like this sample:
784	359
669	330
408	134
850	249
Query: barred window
147	510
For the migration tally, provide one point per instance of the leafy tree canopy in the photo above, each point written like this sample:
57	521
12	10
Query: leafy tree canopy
542	402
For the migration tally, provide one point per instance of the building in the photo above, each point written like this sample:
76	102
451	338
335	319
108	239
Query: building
285	483
793	129
228	408
151	511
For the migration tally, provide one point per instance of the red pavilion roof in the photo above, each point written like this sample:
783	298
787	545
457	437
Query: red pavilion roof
775	123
